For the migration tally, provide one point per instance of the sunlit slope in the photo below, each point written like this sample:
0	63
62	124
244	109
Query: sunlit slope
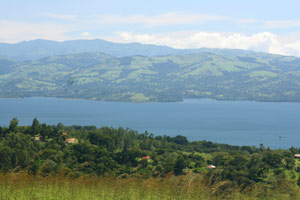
248	76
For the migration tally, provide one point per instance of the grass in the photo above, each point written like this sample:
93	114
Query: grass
262	73
21	186
139	97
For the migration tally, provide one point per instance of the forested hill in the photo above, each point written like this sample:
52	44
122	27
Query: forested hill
99	76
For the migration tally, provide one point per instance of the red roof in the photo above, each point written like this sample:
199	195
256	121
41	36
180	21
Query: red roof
65	133
146	157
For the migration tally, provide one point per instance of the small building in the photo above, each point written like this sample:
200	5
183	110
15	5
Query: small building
37	138
297	156
146	158
64	133
212	167
71	141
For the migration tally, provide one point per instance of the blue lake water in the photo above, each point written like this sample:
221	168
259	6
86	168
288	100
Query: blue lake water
230	122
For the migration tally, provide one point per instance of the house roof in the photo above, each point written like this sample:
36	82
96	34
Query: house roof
71	140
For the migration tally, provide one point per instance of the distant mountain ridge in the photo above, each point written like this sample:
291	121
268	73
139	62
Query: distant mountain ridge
225	75
36	49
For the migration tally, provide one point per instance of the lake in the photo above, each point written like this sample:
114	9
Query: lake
276	125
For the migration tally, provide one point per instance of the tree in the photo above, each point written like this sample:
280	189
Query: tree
35	127
48	166
99	139
179	139
22	149
298	181
3	131
60	125
5	158
13	125
273	159
179	165
45	130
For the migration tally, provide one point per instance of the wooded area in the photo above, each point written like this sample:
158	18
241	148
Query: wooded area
45	150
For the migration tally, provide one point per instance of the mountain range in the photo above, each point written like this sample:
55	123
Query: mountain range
36	49
106	71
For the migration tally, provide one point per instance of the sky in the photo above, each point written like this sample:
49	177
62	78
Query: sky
271	26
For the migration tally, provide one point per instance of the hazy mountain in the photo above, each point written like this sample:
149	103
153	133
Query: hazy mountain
248	76
36	49
6	65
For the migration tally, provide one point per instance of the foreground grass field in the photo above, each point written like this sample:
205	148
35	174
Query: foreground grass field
26	187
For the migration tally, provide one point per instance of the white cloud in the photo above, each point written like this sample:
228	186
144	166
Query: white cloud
12	31
175	18
60	16
85	34
246	20
282	24
16	31
293	48
264	42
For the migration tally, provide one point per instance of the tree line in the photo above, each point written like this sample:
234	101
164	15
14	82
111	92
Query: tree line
43	150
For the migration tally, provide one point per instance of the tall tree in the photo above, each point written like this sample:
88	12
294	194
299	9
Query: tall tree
179	165
13	125
35	127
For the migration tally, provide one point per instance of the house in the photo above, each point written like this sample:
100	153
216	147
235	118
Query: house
64	133
37	138
146	158
297	156
71	141
212	167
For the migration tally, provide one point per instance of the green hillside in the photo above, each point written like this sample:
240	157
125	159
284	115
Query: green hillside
98	76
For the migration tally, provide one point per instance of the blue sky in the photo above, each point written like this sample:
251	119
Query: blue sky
270	25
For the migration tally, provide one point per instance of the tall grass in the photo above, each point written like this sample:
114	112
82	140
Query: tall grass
21	186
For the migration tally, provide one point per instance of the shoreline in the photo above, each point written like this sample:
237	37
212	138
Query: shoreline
145	102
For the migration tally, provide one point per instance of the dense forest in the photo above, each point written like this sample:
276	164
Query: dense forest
74	151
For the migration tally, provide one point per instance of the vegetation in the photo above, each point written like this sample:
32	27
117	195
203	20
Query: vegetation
20	186
98	76
108	163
